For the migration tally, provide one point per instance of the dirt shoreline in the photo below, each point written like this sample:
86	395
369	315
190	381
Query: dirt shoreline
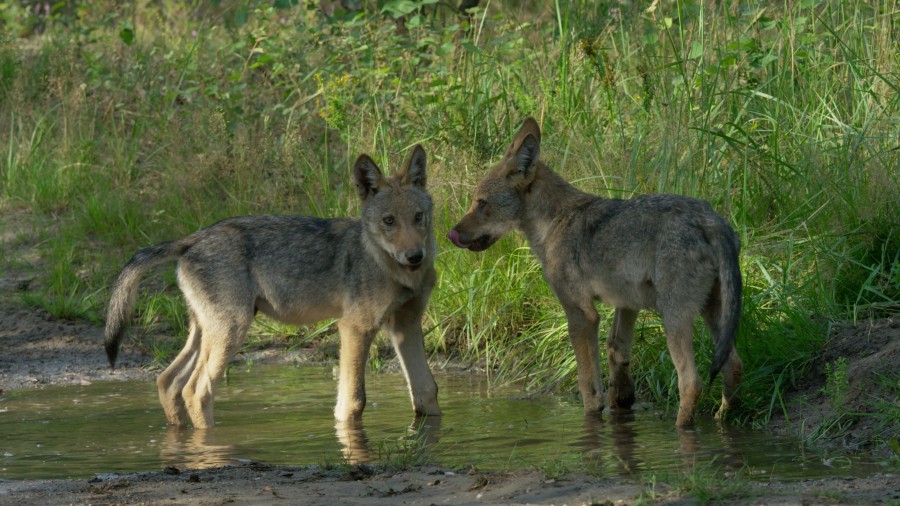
313	485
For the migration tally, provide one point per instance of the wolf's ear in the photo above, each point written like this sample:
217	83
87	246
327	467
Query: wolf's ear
528	153
414	170
529	127
524	159
367	176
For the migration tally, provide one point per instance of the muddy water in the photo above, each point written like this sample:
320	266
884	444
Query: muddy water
282	415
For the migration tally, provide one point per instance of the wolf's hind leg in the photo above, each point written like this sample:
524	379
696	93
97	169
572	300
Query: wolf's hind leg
732	375
733	370
172	380
679	332
220	341
618	352
405	329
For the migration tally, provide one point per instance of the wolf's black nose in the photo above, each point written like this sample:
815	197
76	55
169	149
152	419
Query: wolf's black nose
415	257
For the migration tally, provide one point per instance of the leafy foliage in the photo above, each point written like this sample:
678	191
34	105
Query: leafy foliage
134	123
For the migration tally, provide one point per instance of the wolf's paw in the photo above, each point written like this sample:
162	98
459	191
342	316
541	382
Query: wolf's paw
621	397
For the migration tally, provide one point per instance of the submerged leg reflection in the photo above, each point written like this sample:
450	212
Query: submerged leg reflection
195	449
354	441
418	439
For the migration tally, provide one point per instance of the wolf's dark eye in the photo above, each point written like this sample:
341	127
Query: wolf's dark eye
419	216
482	204
388	220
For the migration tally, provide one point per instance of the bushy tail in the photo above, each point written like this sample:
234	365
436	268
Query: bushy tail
730	286
124	291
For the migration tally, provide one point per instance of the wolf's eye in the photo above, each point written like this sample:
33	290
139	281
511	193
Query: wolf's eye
482	204
419	216
388	220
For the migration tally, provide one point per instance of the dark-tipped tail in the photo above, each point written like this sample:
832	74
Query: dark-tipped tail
124	291
730	286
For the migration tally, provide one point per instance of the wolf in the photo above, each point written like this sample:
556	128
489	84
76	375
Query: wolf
668	252
375	271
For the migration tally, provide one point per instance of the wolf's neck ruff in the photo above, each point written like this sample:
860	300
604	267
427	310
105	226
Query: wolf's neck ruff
548	200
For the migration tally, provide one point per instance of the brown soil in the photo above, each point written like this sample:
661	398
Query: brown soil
871	353
39	350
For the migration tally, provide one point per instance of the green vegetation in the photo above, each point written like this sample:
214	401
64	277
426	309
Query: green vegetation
837	384
705	483
127	124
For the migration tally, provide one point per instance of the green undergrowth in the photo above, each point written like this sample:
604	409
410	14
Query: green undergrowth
129	124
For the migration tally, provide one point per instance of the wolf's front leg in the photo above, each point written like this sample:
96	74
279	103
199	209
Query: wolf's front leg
405	329
355	342
583	325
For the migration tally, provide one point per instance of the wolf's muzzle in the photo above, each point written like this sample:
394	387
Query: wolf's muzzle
480	243
413	259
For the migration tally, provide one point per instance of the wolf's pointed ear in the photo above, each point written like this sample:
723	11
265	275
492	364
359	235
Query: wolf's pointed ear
414	170
367	176
529	127
528	153
524	160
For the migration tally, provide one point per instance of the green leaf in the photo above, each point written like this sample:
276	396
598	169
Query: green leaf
445	49
767	23
696	50
399	8
765	60
414	21
127	35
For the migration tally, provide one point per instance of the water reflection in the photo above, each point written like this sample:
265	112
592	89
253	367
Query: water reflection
624	439
689	448
620	438
354	441
195	448
722	449
424	432
185	447
730	453
258	410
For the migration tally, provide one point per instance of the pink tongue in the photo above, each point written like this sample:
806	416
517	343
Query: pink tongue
453	235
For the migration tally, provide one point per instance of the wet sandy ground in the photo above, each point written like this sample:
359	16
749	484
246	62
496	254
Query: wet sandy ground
358	485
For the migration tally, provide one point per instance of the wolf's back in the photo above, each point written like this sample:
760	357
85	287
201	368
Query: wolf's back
124	291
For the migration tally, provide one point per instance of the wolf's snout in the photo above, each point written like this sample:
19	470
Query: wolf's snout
453	235
415	257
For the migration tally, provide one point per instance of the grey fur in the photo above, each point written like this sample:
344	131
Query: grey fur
668	252
370	272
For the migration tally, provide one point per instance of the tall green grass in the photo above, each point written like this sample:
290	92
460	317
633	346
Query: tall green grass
133	124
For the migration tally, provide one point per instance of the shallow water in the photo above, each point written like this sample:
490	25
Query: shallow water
283	415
